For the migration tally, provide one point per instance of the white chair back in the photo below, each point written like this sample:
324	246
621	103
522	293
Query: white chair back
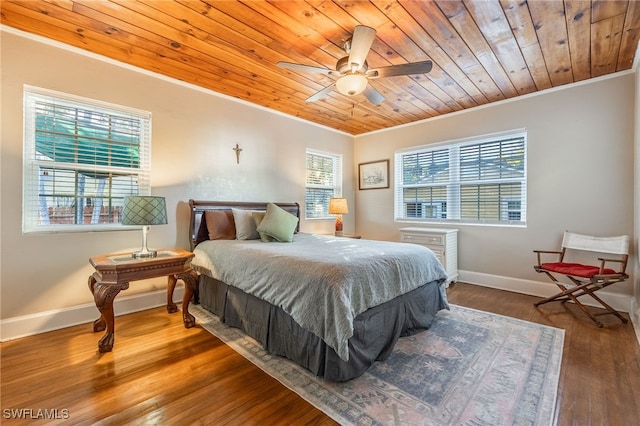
614	245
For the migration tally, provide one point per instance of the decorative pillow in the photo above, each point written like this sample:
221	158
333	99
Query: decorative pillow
220	225
278	224
257	217
245	225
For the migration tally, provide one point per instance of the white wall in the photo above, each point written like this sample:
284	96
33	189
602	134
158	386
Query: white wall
193	132
580	177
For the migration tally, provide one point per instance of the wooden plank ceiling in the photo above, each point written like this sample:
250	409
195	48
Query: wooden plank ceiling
482	50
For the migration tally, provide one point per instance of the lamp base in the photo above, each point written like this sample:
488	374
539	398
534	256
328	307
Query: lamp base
338	232
144	254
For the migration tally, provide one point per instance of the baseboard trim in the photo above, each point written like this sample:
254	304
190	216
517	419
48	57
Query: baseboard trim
28	325
635	317
41	322
620	302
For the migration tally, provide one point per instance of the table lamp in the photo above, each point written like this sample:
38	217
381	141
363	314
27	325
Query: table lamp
145	211
338	206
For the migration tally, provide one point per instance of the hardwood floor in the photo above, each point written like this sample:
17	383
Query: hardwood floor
162	373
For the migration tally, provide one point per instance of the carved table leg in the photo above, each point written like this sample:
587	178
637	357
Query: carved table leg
99	324
104	294
190	279
171	285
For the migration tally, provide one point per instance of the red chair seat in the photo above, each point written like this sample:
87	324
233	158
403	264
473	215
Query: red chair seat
575	269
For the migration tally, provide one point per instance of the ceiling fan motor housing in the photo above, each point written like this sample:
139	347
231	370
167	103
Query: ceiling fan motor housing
344	67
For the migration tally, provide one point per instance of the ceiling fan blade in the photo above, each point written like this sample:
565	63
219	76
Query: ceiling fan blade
360	45
300	67
321	94
402	69
373	95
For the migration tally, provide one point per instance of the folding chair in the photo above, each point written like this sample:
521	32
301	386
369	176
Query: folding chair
586	279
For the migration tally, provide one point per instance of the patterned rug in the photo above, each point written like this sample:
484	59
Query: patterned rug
470	368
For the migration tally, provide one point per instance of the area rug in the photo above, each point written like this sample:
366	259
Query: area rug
470	368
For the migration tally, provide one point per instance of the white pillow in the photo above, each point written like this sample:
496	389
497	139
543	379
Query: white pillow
245	225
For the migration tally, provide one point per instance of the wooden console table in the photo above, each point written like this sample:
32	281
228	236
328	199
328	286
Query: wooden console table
115	271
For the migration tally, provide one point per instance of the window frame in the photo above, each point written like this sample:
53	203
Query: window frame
454	180
335	187
120	180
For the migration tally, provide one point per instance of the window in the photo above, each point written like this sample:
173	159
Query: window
470	181
420	210
323	181
81	157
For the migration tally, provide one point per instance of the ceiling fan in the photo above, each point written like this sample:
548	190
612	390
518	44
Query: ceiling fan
353	72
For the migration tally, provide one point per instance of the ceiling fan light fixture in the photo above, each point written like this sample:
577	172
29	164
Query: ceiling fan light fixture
351	84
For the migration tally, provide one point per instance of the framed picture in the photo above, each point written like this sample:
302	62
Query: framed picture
374	174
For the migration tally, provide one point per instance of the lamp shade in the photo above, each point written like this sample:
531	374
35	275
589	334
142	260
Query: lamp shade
351	84
338	206
144	210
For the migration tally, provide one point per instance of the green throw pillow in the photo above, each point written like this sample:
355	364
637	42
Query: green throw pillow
278	224
257	217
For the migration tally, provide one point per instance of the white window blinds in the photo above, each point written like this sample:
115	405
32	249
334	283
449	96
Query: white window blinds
81	158
471	181
323	181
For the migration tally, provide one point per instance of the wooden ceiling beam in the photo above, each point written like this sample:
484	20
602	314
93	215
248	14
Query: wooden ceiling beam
492	22
450	52
463	22
606	38
578	18
630	36
551	28
519	18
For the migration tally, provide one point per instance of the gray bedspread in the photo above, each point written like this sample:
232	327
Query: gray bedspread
323	282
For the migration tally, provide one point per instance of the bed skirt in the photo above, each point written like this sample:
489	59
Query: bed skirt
375	330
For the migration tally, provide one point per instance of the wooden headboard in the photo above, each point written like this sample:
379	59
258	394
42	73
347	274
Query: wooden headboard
198	226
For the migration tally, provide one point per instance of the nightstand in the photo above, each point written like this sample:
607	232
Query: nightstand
443	242
115	271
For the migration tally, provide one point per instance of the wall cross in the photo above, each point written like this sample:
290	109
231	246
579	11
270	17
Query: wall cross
237	149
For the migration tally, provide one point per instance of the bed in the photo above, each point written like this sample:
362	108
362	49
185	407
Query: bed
333	305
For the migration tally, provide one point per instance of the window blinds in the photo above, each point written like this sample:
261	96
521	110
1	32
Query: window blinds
323	181
475	181
81	158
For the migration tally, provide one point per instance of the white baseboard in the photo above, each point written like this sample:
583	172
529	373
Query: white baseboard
620	302
635	317
28	325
